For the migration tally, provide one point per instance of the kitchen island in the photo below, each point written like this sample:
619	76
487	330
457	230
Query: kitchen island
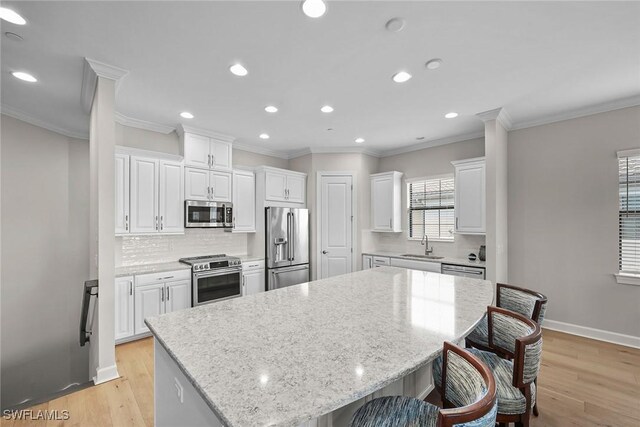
310	354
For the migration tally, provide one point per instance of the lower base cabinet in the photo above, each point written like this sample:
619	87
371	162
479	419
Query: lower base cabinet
160	298
253	278
367	262
124	307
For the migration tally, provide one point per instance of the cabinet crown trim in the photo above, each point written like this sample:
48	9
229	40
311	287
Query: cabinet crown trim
468	161
284	171
181	130
390	173
130	151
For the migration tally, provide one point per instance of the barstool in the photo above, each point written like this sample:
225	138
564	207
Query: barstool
520	339
470	396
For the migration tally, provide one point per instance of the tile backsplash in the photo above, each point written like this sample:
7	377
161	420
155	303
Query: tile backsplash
136	250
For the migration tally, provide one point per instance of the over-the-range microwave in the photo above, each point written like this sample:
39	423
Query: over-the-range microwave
200	214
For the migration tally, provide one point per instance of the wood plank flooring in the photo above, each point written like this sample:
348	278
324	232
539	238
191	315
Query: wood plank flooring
582	383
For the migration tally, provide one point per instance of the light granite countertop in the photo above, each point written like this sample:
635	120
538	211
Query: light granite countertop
444	260
132	270
289	355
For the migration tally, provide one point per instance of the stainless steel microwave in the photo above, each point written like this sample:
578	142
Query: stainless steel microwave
199	214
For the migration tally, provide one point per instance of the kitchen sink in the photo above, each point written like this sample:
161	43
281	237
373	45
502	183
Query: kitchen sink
421	256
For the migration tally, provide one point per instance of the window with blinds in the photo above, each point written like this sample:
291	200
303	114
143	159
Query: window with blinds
629	214
431	208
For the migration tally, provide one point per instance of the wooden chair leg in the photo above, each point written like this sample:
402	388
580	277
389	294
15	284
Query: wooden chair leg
535	404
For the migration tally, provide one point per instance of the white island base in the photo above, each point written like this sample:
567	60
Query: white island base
178	403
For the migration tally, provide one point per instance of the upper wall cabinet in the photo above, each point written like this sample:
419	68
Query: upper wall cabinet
385	202
470	198
203	150
281	185
244	202
206	185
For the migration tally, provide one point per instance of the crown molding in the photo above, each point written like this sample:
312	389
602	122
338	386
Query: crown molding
618	104
92	70
181	129
143	124
22	116
261	150
498	114
433	143
333	150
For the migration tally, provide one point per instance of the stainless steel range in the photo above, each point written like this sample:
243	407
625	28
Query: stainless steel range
214	278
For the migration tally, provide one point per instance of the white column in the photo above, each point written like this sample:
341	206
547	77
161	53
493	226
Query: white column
99	91
496	126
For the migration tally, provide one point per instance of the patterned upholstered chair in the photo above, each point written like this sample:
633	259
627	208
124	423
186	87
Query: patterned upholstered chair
519	338
470	396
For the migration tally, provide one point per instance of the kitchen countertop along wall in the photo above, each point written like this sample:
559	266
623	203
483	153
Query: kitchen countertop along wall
443	260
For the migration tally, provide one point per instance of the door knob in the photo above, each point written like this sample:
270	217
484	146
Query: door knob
325	252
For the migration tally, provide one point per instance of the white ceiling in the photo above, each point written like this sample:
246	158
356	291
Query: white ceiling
537	60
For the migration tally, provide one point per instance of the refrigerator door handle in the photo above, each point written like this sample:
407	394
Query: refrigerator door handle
288	236
293	236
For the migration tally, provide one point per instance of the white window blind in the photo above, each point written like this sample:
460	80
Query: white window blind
431	208
629	214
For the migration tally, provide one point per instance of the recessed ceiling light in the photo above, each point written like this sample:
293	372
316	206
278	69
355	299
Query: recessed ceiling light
327	109
451	115
420	138
433	64
314	8
238	70
24	76
264	136
395	25
186	115
401	77
11	16
359	140
271	109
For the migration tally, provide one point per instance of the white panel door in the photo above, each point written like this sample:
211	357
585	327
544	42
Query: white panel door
253	282
275	186
124	307
295	187
197	151
122	193
336	225
149	301
196	184
220	183
244	201
220	154
171	197
470	198
177	295
144	195
382	202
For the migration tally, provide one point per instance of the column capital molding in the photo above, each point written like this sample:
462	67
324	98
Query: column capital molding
498	114
92	70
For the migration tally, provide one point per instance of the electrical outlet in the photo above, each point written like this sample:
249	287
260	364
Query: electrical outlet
179	390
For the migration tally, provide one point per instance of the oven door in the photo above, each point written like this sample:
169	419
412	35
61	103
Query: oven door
217	285
198	214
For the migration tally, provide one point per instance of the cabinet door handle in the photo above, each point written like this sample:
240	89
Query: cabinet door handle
130	287
208	159
162	295
161	222
213	160
168	293
456	223
208	192
126	222
156	222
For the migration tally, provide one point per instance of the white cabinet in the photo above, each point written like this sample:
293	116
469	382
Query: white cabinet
470	200
149	302
206	152
253	277
156	196
367	262
160	293
244	202
381	261
385	202
122	193
203	184
123	297
285	186
177	295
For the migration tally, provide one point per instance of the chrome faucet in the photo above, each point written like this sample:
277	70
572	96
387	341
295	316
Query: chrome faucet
425	243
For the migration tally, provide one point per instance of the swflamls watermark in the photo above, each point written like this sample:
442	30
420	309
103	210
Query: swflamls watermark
36	414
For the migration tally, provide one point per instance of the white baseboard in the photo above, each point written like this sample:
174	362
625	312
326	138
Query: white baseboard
106	374
596	334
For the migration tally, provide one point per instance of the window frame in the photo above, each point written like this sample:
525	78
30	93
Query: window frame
408	182
627	277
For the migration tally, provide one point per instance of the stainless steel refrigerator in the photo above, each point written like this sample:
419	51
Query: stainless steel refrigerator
287	246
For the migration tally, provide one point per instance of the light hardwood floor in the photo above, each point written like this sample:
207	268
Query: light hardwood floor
582	383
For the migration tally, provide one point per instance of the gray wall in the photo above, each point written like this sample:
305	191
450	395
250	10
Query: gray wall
45	260
563	218
423	163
